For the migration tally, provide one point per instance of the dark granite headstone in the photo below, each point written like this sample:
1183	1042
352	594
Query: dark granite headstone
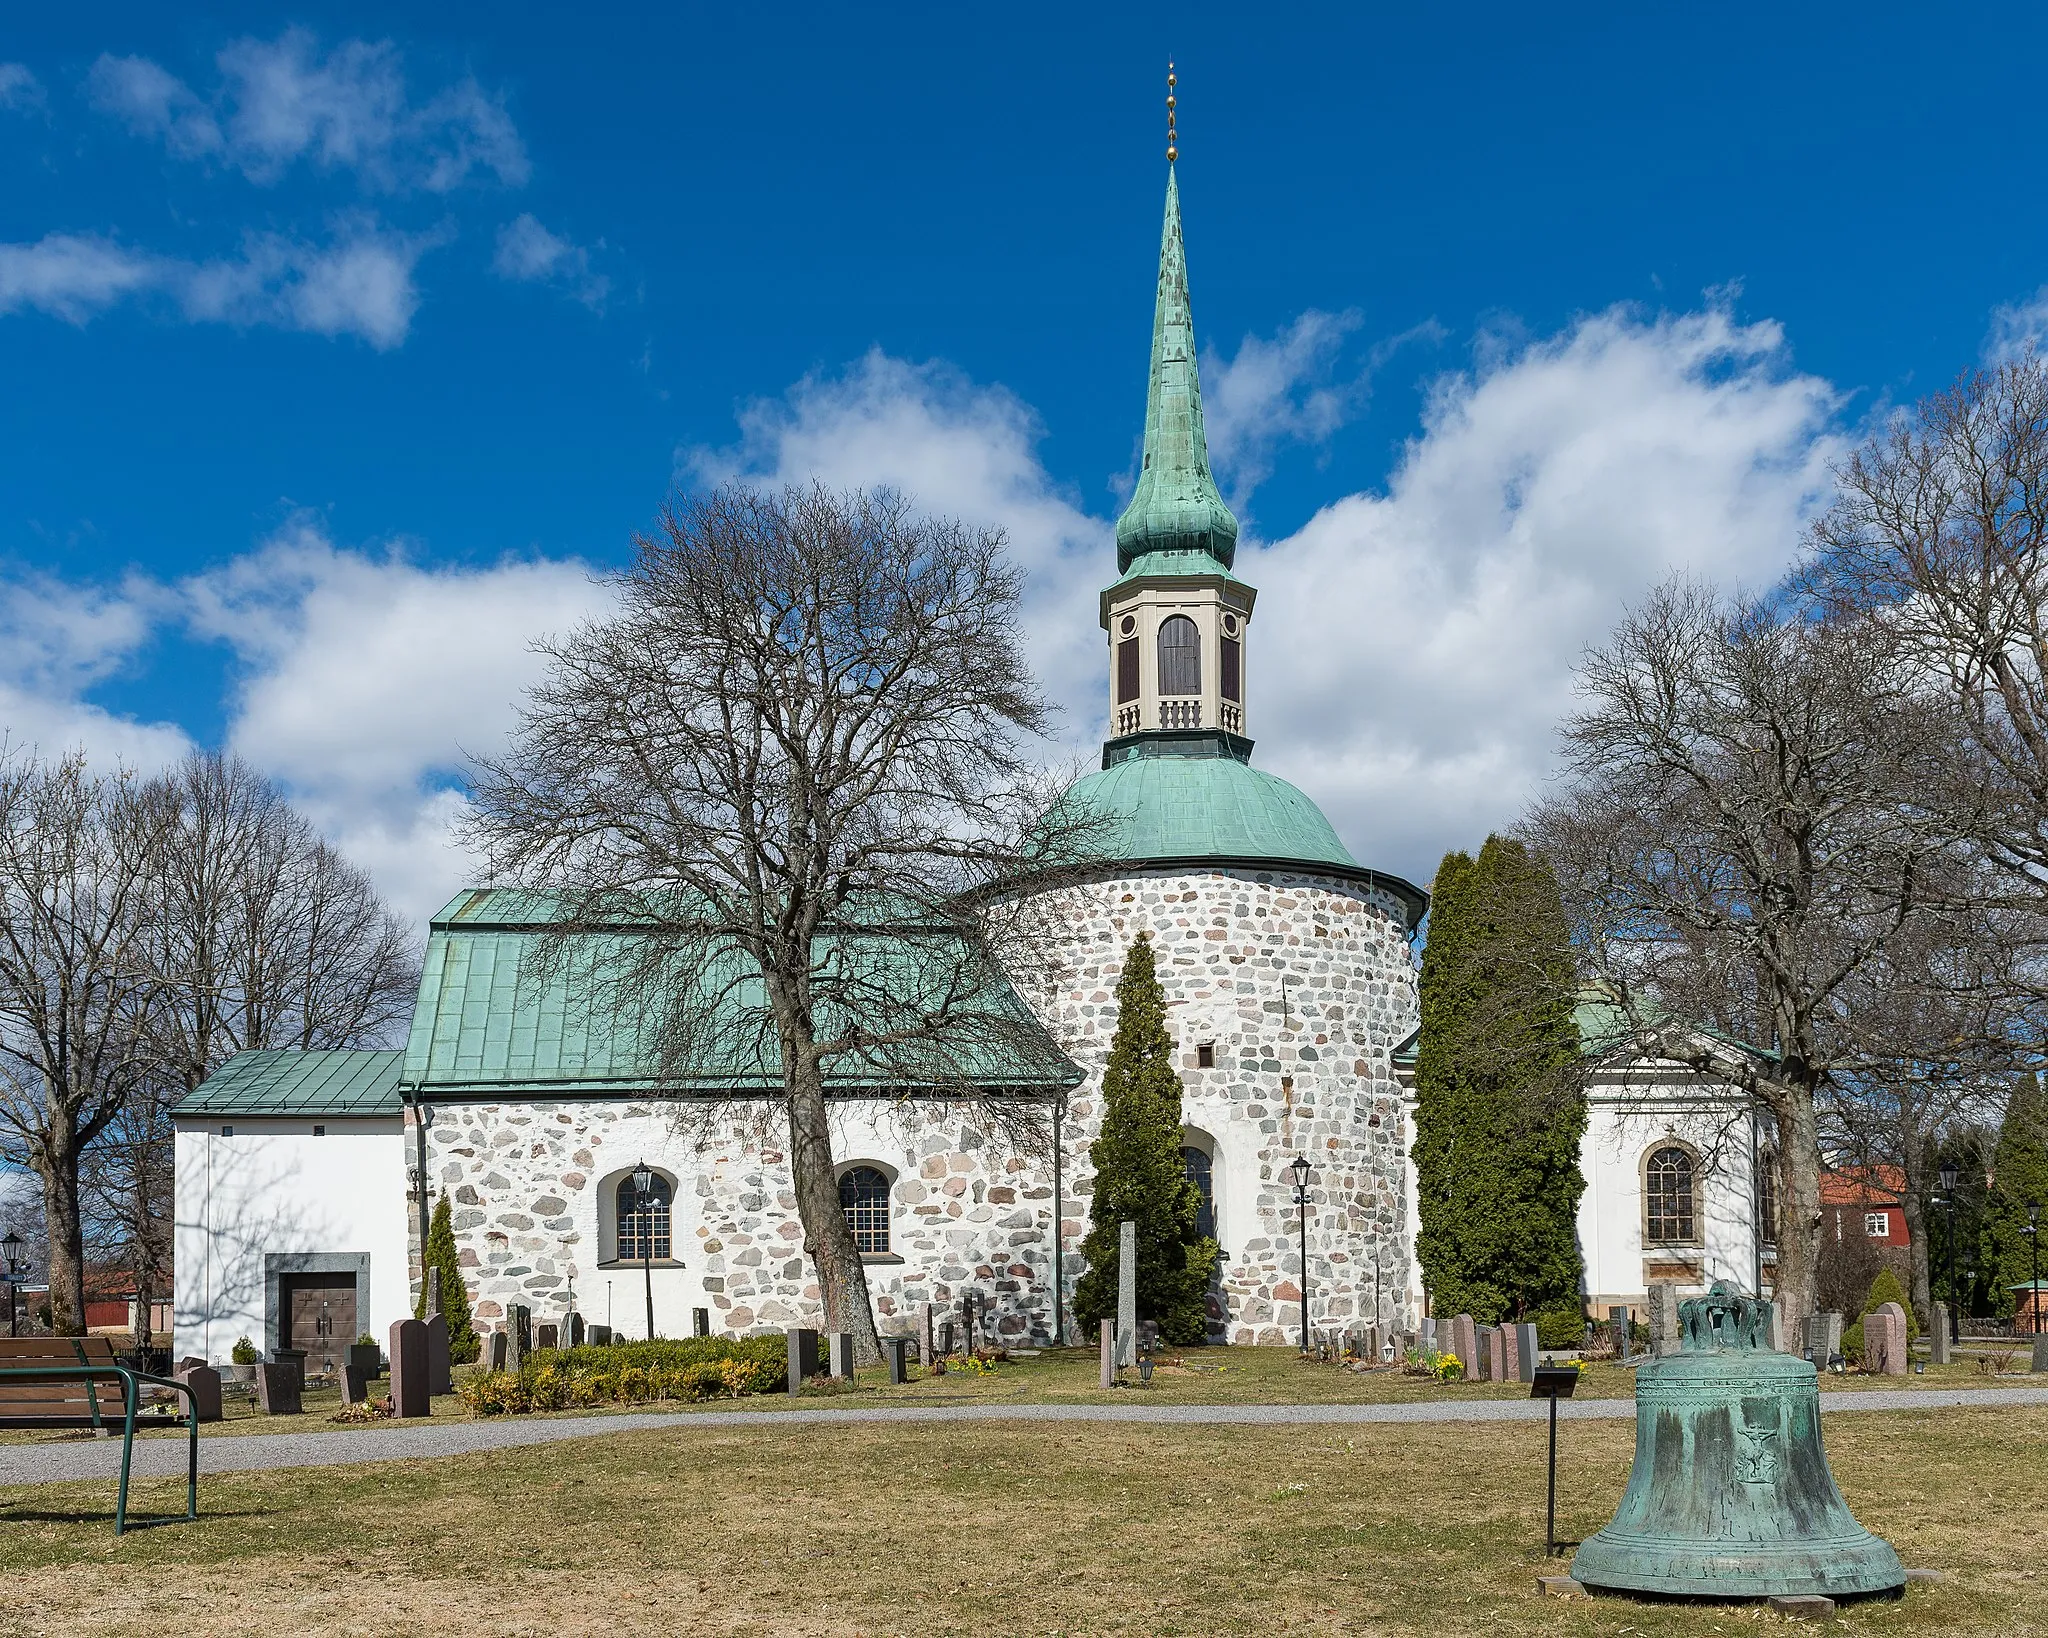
600	1336
204	1381
1524	1338
545	1335
519	1327
897	1350
497	1349
409	1395
927	1344
803	1358
700	1322
280	1383
191	1362
946	1340
439	1379
355	1385
576	1329
842	1354
1617	1321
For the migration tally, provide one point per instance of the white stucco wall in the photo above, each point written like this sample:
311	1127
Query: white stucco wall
274	1188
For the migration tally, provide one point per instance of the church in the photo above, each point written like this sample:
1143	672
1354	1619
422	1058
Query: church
305	1179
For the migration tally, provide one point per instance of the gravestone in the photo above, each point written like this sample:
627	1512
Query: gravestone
967	1323
803	1358
576	1329
1465	1343
546	1337
1823	1338
927	1344
2040	1360
519	1326
280	1383
946	1339
438	1378
700	1322
1148	1338
1524	1336
1127	1293
1664	1336
1511	1353
1617	1323
433	1293
1884	1340
1938	1345
1108	1354
204	1381
191	1362
1428	1334
409	1396
355	1385
897	1350
1777	1327
842	1354
600	1336
497	1349
1497	1354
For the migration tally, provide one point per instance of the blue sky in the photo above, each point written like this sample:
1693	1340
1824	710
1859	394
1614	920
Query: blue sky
341	346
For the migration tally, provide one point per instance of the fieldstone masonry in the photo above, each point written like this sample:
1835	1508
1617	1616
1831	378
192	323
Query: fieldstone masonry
1299	984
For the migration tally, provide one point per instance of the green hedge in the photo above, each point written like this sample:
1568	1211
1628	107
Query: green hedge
631	1373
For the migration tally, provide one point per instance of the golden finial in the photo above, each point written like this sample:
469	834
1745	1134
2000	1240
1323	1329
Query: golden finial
1172	140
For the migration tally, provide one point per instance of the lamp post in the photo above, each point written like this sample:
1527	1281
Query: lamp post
643	1188
1301	1182
2033	1233
1949	1174
11	1245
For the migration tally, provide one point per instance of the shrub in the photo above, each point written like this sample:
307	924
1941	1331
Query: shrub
244	1352
366	1341
465	1347
1561	1327
630	1373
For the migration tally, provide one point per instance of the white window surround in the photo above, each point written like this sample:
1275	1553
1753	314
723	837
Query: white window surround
1877	1225
889	1174
608	1217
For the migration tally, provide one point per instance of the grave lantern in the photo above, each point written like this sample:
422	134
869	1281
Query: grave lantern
1730	1495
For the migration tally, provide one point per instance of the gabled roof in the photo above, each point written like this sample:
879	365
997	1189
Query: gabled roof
488	1021
1603	1024
283	1082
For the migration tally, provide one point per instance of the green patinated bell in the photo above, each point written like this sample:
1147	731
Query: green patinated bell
1730	1495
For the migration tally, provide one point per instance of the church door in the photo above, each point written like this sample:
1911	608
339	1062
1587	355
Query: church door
318	1315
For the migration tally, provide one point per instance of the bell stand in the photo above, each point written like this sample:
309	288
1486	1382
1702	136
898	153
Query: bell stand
1552	1382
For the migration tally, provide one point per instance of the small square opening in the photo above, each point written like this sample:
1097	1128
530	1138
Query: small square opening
227	1131
319	1131
1205	1055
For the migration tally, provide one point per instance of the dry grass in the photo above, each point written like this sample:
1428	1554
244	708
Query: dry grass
985	1528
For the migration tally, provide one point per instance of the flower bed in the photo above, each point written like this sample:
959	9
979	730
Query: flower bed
630	1373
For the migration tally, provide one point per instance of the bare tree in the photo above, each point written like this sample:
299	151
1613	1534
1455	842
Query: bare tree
80	999
128	1197
789	767
1734	848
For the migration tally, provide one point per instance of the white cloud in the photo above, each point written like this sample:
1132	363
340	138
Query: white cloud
367	678
58	640
360	282
280	101
2018	328
1274	391
19	89
529	252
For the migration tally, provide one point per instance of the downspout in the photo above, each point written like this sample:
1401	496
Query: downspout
1059	1245
421	1114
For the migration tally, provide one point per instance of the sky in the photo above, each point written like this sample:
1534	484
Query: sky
343	350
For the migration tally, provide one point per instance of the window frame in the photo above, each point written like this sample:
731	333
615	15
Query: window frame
1684	1218
1182	677
614	1230
870	1253
1877	1225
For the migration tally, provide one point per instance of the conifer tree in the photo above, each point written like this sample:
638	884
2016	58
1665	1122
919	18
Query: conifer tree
1139	1176
2019	1181
1500	1110
463	1344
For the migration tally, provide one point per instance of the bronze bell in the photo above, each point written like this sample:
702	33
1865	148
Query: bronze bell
1730	1495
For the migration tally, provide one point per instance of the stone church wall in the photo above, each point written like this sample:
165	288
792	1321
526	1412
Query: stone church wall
1301	985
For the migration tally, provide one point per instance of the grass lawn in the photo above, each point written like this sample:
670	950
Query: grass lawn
1212	1376
829	1531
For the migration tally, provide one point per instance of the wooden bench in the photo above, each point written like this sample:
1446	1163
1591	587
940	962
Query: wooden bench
76	1382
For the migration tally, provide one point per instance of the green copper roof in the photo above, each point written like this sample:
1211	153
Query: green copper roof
1176	507
487	1022
282	1082
1217	809
1178	565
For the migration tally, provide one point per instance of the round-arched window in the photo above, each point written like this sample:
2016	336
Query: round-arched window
1669	1214
864	1197
644	1225
1180	656
1200	1170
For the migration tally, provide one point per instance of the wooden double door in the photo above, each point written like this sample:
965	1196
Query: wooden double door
317	1313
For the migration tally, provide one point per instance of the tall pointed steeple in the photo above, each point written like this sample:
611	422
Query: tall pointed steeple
1176	507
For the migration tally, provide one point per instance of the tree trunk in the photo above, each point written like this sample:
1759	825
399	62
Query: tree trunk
58	1169
1912	1201
828	1240
1800	1213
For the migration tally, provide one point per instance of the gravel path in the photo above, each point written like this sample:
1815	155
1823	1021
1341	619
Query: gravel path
101	1458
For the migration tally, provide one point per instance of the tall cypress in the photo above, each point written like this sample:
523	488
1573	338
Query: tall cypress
2019	1180
1500	1109
463	1344
1139	1176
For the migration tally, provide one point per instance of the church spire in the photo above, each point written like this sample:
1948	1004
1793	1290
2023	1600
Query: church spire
1176	507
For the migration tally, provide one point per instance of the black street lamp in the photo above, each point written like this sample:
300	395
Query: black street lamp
643	1187
11	1245
1301	1183
1949	1174
2033	1233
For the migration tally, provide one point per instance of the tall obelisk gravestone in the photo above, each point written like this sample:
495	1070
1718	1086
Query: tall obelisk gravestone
1126	1293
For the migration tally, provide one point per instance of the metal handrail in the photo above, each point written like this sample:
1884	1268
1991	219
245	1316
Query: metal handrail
131	1381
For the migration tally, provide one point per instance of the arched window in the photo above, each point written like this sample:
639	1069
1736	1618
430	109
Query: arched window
1200	1170
644	1225
864	1196
1180	657
1668	1213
